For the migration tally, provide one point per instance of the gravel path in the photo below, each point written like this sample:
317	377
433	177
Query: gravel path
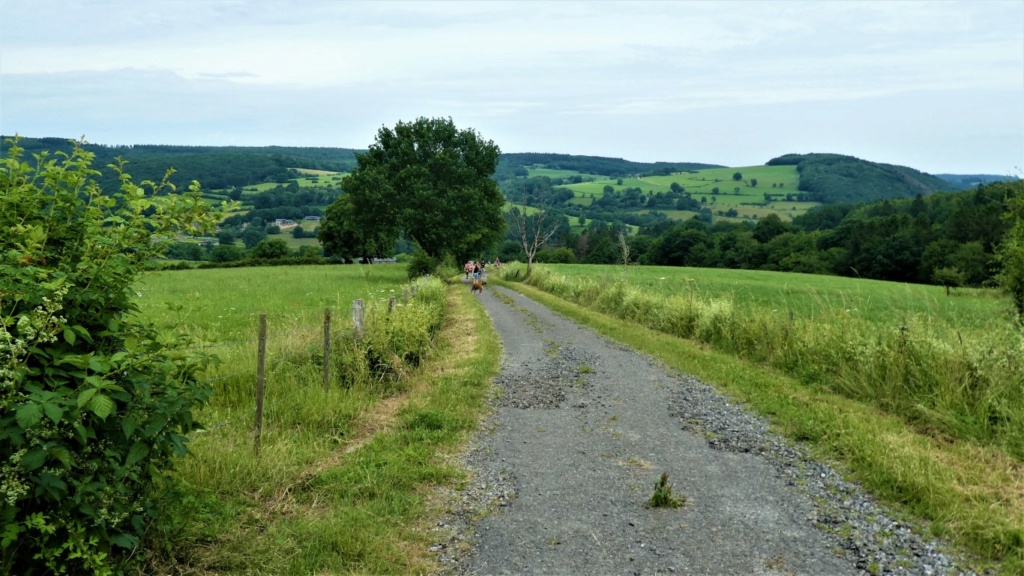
583	428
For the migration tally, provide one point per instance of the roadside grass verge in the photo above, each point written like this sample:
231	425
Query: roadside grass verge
968	493
917	368
343	482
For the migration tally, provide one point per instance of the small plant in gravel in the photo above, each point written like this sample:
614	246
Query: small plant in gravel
662	497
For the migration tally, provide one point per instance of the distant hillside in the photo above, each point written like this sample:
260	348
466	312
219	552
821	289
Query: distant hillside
513	165
215	167
962	181
837	179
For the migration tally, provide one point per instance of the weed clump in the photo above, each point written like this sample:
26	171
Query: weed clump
662	497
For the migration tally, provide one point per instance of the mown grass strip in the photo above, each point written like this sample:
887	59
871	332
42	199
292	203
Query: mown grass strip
361	505
971	495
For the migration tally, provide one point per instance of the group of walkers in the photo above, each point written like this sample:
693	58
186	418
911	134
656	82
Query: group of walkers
476	268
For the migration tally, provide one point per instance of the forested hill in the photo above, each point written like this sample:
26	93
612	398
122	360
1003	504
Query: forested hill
215	167
515	164
838	179
972	180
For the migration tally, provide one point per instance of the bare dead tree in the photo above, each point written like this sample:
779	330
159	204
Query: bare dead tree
533	235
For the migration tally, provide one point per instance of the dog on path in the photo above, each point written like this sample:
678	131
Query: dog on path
478	286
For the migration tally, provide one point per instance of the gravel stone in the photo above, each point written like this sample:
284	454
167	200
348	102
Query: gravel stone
583	427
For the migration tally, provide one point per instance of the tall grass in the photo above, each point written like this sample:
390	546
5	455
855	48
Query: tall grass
966	389
315	498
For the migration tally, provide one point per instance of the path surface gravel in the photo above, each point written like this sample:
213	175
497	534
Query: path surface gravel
583	428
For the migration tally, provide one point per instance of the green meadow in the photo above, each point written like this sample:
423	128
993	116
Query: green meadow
814	296
554	173
309	179
224	304
339	482
732	194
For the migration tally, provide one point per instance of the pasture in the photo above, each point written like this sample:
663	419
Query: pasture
218	305
309	178
746	198
814	296
337	485
554	173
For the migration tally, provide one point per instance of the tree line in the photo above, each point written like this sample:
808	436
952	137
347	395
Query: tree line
945	238
216	167
514	165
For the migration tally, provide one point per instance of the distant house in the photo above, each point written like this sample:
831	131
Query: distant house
282	222
311	219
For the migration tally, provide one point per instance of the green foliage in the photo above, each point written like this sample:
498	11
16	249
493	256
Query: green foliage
1011	251
215	166
93	404
253	235
427	179
342	236
421	264
270	249
662	497
834	178
226	253
949	277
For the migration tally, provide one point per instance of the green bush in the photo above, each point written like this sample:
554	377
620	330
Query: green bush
421	264
393	343
94	405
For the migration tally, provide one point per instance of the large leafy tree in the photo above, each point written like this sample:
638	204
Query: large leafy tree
427	179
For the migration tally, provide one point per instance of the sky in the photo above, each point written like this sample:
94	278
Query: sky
937	86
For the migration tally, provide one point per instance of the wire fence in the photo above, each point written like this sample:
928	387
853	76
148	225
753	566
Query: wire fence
255	415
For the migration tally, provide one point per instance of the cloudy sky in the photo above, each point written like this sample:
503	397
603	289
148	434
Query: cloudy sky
937	86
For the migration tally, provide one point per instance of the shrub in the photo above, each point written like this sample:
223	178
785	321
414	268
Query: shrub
421	264
94	405
269	249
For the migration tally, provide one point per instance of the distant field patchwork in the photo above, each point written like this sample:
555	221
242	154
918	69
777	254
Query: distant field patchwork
761	190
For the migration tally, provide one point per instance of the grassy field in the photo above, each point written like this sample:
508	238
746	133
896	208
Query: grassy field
815	296
224	304
738	195
553	173
918	396
341	479
304	182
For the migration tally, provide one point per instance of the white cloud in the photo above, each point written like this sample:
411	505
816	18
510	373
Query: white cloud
571	77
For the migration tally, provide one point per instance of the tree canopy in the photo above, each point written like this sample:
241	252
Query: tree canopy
427	180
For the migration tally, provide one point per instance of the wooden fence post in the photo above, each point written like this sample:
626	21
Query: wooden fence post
261	357
405	295
413	290
327	348
391	305
357	318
